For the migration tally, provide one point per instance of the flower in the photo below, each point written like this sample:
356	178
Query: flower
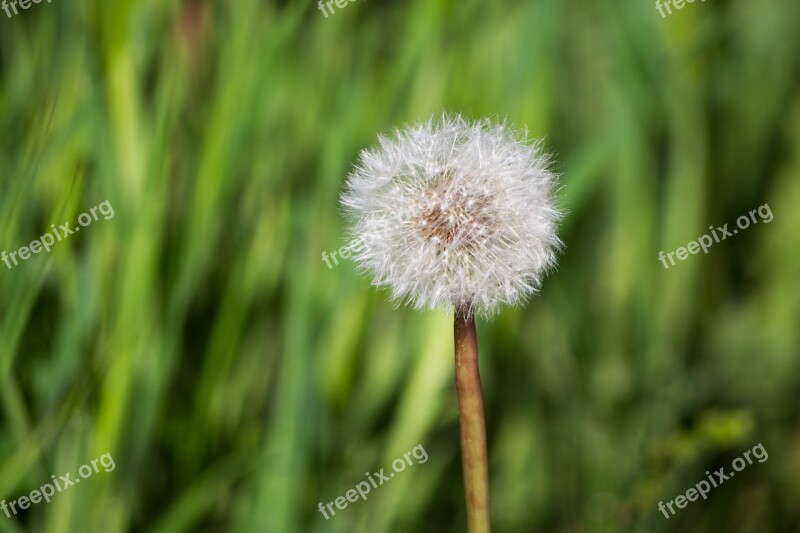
454	214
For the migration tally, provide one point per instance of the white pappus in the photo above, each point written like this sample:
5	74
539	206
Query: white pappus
453	214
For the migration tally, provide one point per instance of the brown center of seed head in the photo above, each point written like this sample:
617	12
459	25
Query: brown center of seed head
448	213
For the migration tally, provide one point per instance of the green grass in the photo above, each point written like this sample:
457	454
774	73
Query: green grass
237	381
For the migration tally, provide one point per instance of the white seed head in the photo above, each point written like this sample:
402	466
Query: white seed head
452	214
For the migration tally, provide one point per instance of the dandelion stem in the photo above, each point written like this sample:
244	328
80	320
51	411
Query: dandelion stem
474	457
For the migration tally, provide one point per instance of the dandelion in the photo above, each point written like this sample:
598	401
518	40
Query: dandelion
460	216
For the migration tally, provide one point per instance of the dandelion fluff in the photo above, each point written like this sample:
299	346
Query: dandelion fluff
453	214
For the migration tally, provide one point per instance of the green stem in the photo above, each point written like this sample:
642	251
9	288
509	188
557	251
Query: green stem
474	457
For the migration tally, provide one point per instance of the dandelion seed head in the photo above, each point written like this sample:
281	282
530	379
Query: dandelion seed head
454	214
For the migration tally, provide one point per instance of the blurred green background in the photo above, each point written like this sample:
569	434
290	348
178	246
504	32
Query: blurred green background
237	381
